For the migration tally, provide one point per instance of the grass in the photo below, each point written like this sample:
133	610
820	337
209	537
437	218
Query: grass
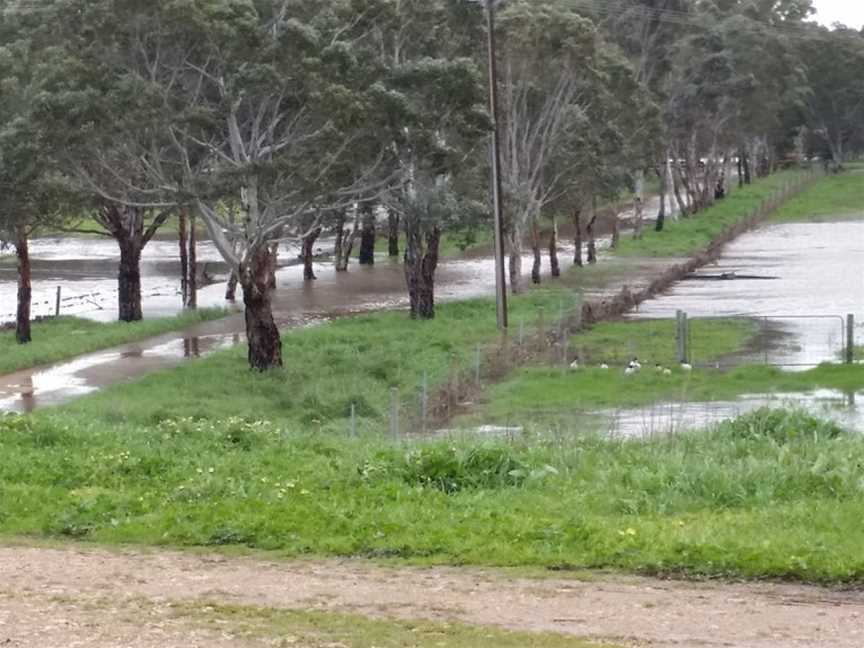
772	495
328	629
549	393
688	235
833	196
351	360
67	337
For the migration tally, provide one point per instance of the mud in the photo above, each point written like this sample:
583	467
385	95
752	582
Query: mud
97	598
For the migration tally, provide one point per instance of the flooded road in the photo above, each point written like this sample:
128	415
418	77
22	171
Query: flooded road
803	278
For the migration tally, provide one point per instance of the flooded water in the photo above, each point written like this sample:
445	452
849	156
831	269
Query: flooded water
661	419
803	280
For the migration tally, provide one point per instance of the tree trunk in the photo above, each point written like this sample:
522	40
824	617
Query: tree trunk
273	265
393	237
740	169
129	282
515	260
193	265
344	245
535	251
22	321
747	174
421	261
676	190
661	212
367	236
231	287
577	239
592	242
638	204
616	231
554	266
265	345
182	235
308	254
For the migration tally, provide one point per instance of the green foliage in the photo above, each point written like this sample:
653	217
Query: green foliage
66	337
762	497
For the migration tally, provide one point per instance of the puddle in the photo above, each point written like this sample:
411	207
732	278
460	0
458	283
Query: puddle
662	419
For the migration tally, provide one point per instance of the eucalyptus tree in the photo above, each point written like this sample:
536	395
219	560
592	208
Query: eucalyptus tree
430	100
834	104
228	100
30	193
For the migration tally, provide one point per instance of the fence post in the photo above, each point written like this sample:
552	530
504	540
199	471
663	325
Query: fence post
57	303
685	337
353	420
521	331
477	365
394	412
850	338
679	336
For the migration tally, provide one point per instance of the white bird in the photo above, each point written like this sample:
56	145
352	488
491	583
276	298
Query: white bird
658	368
635	363
604	366
667	372
629	371
686	366
575	364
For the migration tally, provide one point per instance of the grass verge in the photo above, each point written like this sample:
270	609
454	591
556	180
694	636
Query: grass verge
771	495
688	235
67	337
327	629
833	196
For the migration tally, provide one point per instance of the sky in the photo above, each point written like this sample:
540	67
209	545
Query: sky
848	12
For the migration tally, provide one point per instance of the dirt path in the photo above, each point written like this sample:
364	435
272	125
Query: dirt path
97	598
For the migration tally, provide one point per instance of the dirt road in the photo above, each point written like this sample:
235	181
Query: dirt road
97	598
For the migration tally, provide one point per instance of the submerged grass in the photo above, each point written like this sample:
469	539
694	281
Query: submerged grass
771	495
689	235
67	337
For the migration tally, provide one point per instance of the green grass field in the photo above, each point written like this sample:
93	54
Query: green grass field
834	196
689	235
772	495
67	337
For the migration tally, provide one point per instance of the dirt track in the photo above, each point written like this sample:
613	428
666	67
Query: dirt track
99	599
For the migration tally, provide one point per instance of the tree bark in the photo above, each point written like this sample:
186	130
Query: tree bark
231	287
129	282
393	237
616	231
676	190
554	266
265	344
577	239
308	254
748	179
126	226
638	204
23	334
193	265
182	235
421	261
592	243
535	251
344	245
273	265
515	260
367	236
661	212
740	169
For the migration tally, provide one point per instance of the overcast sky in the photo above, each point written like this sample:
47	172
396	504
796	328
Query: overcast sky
848	12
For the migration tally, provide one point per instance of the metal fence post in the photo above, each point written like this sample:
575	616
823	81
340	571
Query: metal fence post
679	336
353	420
685	337
850	338
57	303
